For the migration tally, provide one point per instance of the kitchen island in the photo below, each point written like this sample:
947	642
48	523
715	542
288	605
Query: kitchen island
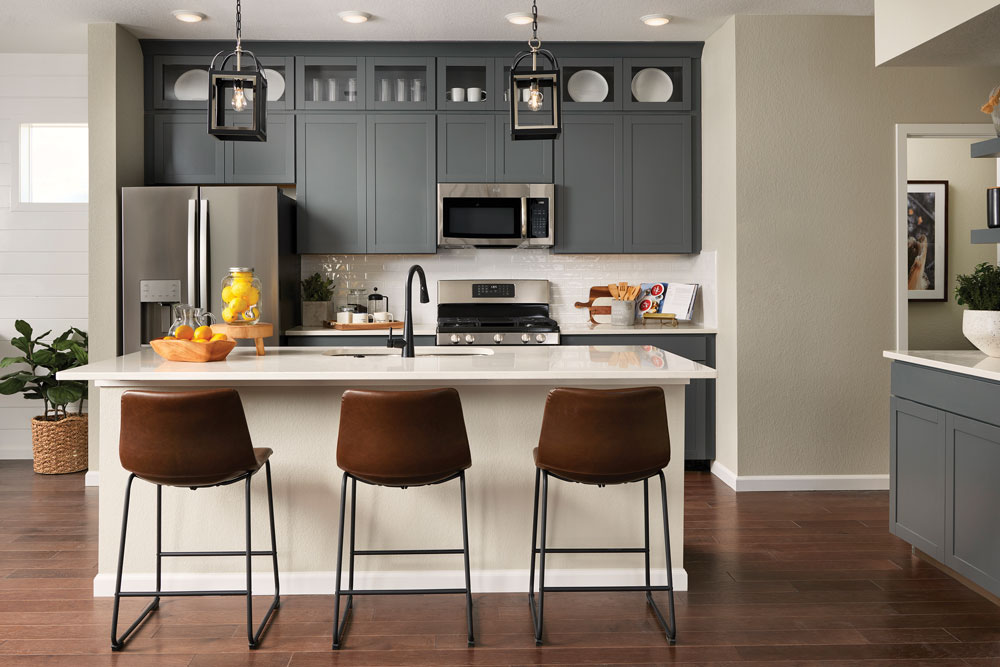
944	459
292	400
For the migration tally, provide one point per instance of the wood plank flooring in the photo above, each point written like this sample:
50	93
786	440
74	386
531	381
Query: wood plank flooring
775	578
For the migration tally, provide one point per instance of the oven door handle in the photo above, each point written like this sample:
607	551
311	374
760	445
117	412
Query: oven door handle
524	218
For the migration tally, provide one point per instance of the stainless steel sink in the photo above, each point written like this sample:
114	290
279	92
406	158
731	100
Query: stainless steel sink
425	351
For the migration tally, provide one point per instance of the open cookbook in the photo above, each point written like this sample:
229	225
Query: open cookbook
676	298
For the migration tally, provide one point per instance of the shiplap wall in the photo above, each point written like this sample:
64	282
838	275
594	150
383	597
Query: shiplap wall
43	254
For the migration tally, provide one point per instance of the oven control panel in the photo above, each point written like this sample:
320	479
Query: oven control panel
492	290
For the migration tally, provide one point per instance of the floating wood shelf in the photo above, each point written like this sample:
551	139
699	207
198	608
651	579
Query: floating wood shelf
991	235
988	148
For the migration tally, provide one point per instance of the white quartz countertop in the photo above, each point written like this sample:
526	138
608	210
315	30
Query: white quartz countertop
564	329
543	364
966	362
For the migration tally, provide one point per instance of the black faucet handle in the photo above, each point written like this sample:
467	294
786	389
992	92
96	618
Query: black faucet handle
398	343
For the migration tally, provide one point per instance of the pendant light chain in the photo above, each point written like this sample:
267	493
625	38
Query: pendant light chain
239	35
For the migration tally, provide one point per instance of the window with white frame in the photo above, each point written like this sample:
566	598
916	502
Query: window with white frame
53	163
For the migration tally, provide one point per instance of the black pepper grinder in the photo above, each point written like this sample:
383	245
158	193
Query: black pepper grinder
377	303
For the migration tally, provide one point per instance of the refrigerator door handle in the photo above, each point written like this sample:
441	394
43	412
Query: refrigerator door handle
191	251
203	259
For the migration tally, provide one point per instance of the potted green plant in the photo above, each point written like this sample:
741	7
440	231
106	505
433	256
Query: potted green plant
980	291
317	293
58	437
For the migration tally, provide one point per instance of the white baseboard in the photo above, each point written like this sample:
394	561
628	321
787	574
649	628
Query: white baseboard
322	583
92	478
799	482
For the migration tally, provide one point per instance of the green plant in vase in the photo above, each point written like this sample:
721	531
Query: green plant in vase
980	291
317	293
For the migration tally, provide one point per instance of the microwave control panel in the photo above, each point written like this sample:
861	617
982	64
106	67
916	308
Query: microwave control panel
538	217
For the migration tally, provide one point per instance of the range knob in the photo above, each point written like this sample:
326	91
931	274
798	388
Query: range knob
525	338
498	338
455	338
470	339
540	337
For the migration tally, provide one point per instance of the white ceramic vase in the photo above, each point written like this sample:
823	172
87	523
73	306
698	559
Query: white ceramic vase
314	312
982	328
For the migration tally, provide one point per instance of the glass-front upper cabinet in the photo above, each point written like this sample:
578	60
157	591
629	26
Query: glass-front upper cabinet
466	84
329	83
657	84
591	84
400	83
181	82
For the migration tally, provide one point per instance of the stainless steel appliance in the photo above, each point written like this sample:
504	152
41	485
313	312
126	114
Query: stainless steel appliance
495	312
513	215
177	243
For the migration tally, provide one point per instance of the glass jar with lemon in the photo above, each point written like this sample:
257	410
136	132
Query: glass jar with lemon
240	296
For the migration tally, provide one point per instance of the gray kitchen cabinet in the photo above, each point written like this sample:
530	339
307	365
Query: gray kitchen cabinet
176	84
972	495
465	73
677	69
589	216
917	479
331	189
465	145
699	395
340	340
184	151
401	183
658	187
521	161
400	83
271	161
333	83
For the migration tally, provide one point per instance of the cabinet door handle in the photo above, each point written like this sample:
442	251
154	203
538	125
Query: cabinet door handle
203	260
192	277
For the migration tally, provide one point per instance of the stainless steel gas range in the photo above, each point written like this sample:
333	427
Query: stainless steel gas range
497	312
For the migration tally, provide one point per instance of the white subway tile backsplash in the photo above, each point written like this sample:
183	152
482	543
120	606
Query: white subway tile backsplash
570	276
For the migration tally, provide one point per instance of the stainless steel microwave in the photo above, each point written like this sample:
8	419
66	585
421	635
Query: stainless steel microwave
512	215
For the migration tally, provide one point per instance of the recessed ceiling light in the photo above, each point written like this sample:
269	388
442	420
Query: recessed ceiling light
188	16
519	18
354	16
655	19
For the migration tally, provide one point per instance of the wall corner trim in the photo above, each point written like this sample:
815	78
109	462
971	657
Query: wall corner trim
92	478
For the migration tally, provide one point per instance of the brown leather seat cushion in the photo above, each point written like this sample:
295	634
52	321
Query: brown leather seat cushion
402	438
187	438
604	436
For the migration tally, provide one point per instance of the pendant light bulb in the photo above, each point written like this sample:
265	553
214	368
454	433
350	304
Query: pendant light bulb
239	98
535	97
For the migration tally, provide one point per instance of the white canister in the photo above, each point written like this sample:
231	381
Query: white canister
317	90
331	90
400	90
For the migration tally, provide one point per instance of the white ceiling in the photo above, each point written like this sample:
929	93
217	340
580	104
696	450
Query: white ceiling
59	26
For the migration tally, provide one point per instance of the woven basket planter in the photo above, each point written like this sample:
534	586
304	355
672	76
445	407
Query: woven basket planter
59	446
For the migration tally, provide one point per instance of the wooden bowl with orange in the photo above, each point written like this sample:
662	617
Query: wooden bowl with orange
195	345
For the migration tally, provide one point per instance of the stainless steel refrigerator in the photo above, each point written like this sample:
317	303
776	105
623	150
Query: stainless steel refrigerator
177	243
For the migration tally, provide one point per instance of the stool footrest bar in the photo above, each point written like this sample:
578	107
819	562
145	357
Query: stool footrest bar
187	554
166	594
606	550
599	589
405	591
405	552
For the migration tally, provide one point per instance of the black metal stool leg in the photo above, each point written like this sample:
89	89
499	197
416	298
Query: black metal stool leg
250	638
159	540
274	541
534	548
340	562
645	529
465	549
350	561
117	643
541	560
670	629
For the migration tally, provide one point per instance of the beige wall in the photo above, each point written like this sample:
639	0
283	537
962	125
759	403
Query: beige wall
116	158
901	25
718	73
814	235
937	325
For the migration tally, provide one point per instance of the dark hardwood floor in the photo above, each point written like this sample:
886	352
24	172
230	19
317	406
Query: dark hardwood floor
788	578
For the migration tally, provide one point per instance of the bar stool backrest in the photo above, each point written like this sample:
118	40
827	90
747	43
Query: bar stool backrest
402	435
606	432
185	438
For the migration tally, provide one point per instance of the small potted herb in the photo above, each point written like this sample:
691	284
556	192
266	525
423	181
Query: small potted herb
58	437
980	291
317	293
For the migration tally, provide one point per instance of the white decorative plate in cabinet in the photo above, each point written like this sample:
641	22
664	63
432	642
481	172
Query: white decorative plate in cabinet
275	85
652	85
587	85
192	85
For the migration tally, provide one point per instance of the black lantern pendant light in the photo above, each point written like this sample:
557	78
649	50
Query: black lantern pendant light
237	99
535	111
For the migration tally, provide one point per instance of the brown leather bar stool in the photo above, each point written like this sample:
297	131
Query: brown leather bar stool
193	439
601	437
401	439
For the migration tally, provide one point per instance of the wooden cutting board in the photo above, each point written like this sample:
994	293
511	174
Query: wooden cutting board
370	326
598	303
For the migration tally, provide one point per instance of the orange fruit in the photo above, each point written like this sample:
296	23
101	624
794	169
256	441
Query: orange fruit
228	315
203	332
201	340
184	332
169	338
218	337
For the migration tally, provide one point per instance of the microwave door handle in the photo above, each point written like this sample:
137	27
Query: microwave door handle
192	235
524	218
203	260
